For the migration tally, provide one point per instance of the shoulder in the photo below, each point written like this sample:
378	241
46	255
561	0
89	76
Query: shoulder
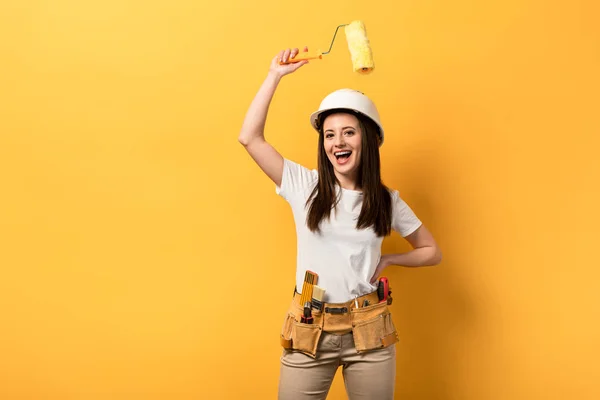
395	196
299	169
404	219
296	177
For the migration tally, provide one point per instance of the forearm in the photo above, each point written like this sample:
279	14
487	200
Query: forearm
256	116
419	257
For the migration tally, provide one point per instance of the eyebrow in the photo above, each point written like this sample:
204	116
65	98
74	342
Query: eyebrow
345	127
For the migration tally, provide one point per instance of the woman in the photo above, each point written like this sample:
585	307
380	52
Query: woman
342	212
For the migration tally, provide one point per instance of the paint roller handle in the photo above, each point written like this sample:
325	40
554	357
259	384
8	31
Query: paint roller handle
287	61
305	55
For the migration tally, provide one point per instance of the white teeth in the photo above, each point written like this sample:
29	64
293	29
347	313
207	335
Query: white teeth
342	153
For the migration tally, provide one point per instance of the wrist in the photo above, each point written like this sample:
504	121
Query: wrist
274	76
386	261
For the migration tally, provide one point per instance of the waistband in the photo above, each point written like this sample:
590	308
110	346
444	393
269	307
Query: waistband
339	318
343	308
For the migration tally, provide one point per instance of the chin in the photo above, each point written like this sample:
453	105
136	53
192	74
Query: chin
346	168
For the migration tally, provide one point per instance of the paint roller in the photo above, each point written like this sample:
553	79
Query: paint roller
358	44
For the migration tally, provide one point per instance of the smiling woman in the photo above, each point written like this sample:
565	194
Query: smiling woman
349	138
342	144
344	211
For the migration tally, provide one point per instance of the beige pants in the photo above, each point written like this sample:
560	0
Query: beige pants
367	376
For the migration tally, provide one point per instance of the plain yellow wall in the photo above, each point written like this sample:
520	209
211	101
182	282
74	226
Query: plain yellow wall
144	255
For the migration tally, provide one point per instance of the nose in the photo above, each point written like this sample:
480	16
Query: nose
339	141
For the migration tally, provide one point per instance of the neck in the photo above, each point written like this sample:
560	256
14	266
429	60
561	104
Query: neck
347	182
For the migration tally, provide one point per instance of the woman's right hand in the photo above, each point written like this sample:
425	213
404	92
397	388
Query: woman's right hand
285	55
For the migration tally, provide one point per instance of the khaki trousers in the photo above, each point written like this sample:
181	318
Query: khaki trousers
368	375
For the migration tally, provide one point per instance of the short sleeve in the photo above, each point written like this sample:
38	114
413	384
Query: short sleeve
295	178
404	220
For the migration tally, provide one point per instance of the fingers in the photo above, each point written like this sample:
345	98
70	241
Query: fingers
279	56
375	276
290	54
295	52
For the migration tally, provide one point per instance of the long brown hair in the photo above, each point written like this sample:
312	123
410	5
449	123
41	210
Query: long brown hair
376	209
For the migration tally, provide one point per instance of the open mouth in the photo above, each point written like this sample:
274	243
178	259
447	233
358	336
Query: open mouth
342	155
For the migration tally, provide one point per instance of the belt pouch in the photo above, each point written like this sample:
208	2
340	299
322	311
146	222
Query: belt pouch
373	327
298	336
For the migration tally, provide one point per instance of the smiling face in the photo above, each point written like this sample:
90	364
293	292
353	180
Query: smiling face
342	142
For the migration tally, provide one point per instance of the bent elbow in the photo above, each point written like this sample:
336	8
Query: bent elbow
436	259
248	138
243	140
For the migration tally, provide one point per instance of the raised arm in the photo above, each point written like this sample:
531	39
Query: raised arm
252	135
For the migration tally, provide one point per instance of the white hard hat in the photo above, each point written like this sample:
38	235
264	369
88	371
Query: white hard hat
349	99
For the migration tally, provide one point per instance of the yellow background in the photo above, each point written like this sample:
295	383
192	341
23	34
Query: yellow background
144	256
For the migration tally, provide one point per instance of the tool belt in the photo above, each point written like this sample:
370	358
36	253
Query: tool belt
371	325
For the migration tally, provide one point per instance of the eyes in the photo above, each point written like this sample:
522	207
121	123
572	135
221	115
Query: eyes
330	135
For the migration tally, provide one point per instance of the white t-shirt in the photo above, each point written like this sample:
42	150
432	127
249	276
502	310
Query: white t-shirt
344	258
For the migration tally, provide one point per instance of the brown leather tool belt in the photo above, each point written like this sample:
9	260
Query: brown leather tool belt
371	324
